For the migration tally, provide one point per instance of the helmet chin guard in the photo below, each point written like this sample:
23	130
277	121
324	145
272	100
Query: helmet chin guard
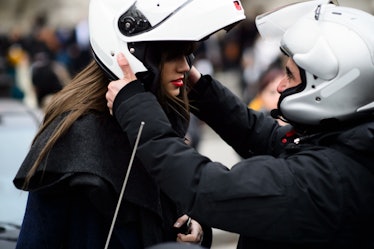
117	26
334	45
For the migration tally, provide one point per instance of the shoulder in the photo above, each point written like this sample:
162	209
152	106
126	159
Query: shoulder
360	137
91	144
95	126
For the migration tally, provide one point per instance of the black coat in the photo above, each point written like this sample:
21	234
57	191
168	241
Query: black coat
88	164
290	191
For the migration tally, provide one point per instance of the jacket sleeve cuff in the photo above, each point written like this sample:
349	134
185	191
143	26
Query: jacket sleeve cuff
201	85
127	92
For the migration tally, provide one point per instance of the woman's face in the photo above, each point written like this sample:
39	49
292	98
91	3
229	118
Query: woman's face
172	74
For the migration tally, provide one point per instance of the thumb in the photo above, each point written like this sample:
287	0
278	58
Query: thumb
124	64
180	221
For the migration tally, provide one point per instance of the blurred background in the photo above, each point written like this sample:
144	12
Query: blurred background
34	31
44	43
68	12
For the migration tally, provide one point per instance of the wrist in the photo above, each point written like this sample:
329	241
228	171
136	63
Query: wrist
194	75
126	92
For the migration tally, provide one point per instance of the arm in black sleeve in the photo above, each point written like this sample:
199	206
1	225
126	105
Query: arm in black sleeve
127	91
233	200
263	197
247	131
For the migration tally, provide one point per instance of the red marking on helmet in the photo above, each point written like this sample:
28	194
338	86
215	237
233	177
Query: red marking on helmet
237	5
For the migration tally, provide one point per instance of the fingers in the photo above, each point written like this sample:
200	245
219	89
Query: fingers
195	234
115	86
110	100
180	221
124	64
194	75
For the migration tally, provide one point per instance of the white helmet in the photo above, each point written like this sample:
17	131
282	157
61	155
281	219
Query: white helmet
121	25
334	48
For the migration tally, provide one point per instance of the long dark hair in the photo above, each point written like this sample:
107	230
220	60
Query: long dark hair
178	104
86	94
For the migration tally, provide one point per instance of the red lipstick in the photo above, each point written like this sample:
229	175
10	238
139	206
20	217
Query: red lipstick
177	83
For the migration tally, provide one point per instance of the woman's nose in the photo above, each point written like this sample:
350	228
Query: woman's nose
183	65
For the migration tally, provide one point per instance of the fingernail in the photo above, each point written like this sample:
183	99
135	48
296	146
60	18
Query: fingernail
177	224
120	55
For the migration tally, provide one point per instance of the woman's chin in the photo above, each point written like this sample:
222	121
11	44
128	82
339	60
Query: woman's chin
175	92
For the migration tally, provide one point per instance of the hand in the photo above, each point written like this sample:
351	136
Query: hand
115	86
194	75
195	231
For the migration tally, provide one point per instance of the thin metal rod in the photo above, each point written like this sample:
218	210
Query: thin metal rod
124	186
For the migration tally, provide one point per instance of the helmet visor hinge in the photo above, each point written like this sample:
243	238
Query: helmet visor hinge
133	22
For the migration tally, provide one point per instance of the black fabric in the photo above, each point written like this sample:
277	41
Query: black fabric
92	144
95	154
67	219
175	245
296	193
130	89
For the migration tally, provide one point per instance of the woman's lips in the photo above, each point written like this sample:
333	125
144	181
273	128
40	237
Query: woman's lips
177	83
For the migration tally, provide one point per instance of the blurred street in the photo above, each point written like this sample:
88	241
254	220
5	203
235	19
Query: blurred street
212	146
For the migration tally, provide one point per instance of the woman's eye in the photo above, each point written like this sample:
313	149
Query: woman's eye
289	74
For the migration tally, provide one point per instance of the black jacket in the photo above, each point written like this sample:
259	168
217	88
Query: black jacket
290	191
88	164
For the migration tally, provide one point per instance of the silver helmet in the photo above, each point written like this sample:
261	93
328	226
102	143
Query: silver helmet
122	25
334	48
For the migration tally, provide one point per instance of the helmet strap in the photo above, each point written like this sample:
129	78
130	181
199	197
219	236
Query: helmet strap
151	60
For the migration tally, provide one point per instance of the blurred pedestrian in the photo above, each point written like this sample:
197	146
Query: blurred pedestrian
267	95
44	78
6	81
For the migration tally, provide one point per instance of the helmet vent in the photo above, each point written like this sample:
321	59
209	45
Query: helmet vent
317	12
